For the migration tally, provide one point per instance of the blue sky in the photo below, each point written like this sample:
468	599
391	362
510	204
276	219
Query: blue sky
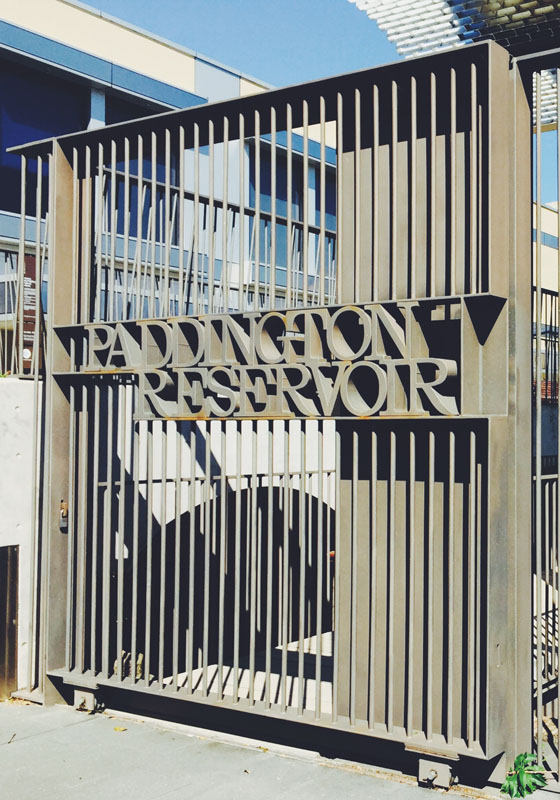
279	41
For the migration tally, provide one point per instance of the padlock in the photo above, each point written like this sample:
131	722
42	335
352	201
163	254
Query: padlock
63	517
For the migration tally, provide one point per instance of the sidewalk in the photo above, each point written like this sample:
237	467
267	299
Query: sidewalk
58	753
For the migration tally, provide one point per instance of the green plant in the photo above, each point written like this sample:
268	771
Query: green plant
525	776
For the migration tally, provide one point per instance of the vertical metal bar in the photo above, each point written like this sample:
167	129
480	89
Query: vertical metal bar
135	515
149	537
433	185
95	527
163	551
192	555
430	609
86	240
394	186
237	568
257	218
375	193
482	273
82	530
195	260
353	577
17	364
14	364
225	266
339	195
99	251
289	167
413	181
391	593
121	511
411	586
269	562
538	420
302	568
320	567
273	191
177	565
160	230
107	515
478	584
71	517
113	229
322	201
74	289
253	563
223	545
357	189
181	201
126	231
471	593
139	228
305	230
207	536
241	279
373	582
473	284
285	566
153	209
450	589
328	555
166	230
453	181
336	598
211	213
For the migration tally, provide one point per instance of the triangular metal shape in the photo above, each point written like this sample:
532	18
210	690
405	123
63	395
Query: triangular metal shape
484	310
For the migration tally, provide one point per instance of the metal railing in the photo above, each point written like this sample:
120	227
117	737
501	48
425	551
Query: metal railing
546	521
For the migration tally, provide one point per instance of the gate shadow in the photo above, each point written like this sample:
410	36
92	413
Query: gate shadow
210	578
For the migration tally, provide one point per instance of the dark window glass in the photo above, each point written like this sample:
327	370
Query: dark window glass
34	105
117	109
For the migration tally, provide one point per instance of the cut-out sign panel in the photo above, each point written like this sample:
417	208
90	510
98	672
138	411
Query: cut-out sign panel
369	360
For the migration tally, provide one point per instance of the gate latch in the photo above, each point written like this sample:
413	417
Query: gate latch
63	516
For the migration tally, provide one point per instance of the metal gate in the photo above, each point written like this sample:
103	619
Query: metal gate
541	76
287	461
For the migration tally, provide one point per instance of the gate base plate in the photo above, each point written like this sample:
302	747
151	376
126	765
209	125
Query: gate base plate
434	774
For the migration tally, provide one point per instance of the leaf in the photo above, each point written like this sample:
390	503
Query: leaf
510	786
525	776
524	780
119	728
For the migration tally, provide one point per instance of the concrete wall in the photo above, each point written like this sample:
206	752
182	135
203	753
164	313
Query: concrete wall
16	502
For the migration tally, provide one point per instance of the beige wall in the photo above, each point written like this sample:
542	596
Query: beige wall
250	87
549	255
103	38
109	39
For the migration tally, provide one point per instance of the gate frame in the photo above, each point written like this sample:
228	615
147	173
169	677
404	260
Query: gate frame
509	548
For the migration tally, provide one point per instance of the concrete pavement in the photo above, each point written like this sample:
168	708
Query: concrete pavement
59	753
